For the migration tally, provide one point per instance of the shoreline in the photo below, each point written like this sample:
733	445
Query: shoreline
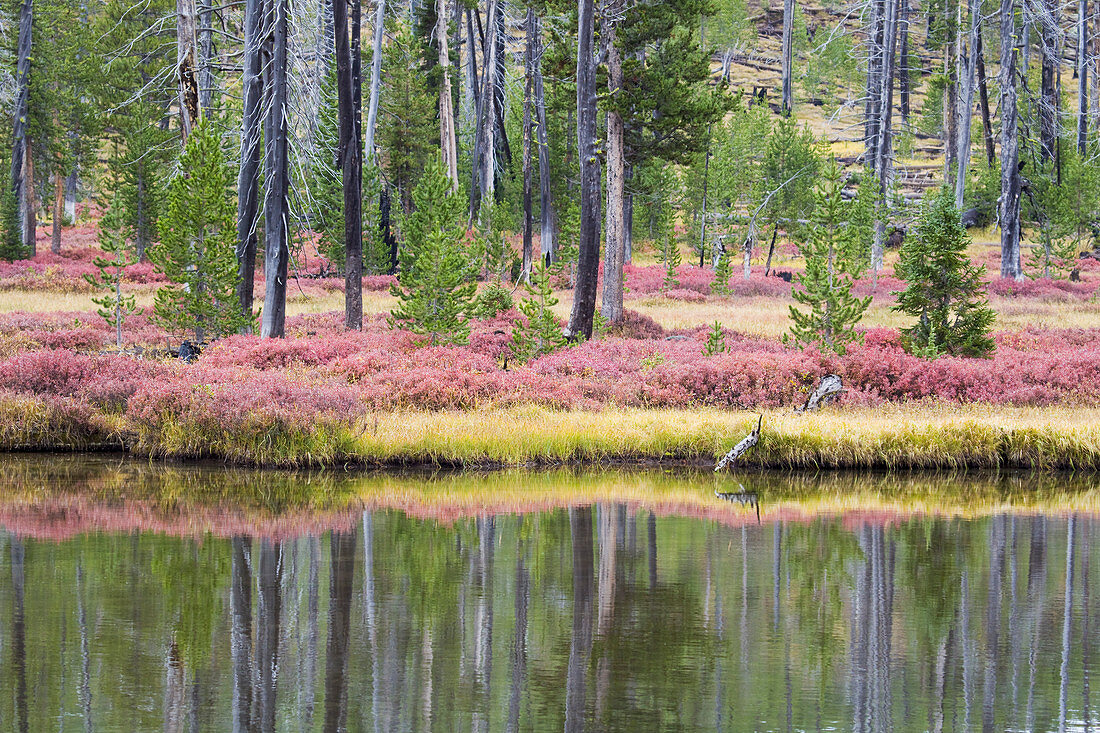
895	437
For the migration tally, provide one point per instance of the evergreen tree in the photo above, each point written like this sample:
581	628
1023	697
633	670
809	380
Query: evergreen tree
716	341
540	333
670	259
721	283
437	274
11	236
408	125
197	249
944	290
114	307
834	257
787	173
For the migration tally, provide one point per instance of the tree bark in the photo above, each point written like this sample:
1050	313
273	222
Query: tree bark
787	98
484	160
1082	75
186	66
951	99
966	102
351	167
276	203
1049	103
29	214
612	309
20	149
547	244
528	103
883	148
375	79
58	211
248	179
240	632
903	62
983	101
1010	151
341	579
584	292
447	136
872	97
205	56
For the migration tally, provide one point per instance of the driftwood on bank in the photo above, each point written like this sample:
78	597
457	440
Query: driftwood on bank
829	386
741	448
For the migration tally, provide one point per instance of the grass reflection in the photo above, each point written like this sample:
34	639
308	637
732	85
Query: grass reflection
60	496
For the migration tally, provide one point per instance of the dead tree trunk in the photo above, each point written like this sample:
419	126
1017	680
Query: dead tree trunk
983	102
20	148
1010	148
1082	75
484	161
584	293
787	102
951	52
546	202
1049	104
58	211
967	64
903	61
447	137
375	79
276	173
186	66
205	56
528	94
874	69
351	165
248	180
612	309
883	162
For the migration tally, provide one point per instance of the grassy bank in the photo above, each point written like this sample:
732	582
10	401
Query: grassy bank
894	436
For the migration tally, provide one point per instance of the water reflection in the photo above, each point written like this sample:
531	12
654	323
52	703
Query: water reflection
614	602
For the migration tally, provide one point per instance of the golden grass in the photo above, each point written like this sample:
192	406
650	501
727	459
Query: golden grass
904	436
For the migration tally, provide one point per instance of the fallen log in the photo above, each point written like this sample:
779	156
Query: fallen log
741	448
829	386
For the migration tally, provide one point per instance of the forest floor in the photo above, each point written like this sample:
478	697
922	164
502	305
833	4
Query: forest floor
644	392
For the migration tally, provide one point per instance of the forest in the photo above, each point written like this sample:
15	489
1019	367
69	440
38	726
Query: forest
622	205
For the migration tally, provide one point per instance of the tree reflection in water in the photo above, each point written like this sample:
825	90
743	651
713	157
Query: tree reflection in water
617	613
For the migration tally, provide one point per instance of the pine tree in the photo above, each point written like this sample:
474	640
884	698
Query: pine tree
716	341
11	233
834	257
670	259
437	275
197	249
326	183
944	290
541	333
721	283
1055	257
113	234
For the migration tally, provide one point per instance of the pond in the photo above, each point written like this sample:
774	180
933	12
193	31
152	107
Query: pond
140	597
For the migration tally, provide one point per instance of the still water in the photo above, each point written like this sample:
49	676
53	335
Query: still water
136	597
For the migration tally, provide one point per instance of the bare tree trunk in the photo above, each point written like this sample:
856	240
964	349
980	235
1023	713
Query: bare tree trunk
547	245
584	293
1049	103
470	95
29	215
966	102
447	135
205	56
983	102
248	180
616	170
20	150
1082	75
528	93
580	644
58	211
269	617
1010	151
951	52
883	162
186	66
341	568
787	102
903	61
276	203
872	97
240	633
484	159
350	165
375	79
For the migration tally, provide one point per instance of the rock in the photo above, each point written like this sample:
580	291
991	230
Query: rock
971	218
188	352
